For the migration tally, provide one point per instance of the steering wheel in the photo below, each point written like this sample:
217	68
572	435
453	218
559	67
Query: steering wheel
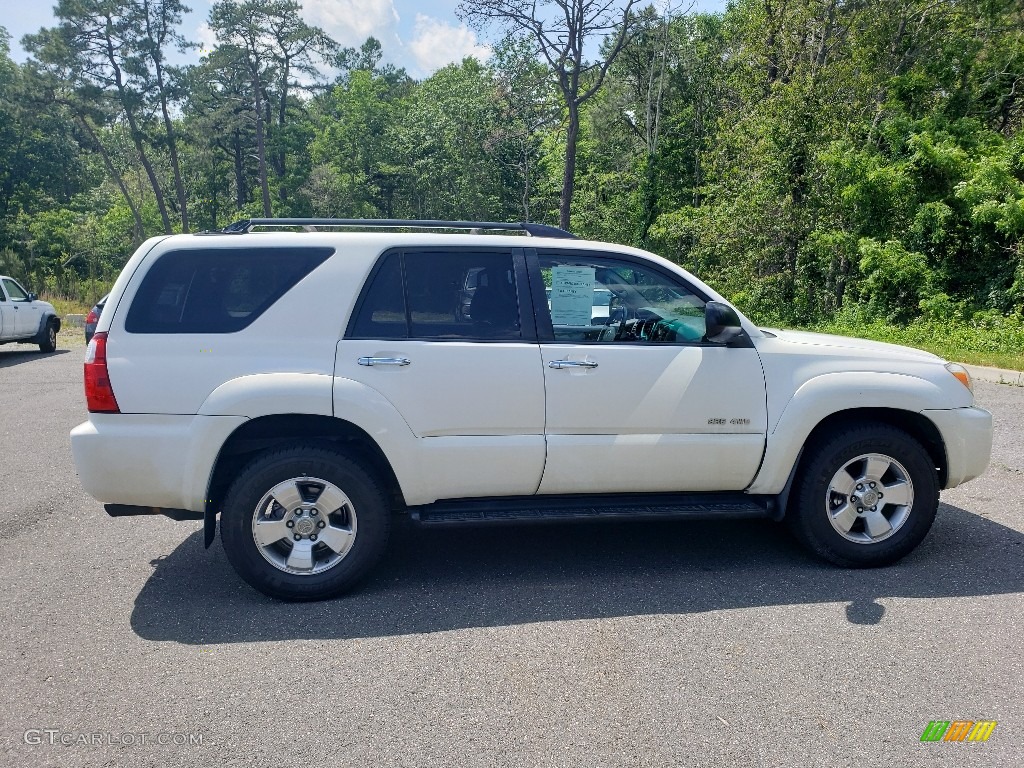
647	326
626	324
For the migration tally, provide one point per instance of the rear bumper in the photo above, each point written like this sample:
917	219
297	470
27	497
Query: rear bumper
150	460
967	434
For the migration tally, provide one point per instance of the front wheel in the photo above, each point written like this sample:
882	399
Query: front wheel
304	523
866	496
49	343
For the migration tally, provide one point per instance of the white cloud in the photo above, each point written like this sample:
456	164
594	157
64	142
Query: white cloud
431	44
350	22
436	43
206	39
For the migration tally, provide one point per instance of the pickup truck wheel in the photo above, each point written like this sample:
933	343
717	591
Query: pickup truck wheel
304	523
866	497
49	344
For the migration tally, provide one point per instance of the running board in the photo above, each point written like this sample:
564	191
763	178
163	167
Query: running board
541	509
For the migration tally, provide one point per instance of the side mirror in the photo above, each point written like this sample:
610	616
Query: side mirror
721	323
32	297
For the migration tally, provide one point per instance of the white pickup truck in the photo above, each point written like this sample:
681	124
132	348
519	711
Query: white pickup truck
305	386
24	319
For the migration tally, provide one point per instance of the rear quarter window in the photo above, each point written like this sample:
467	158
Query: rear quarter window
217	290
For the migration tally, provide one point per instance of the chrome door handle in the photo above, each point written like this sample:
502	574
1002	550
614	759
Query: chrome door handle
572	364
384	361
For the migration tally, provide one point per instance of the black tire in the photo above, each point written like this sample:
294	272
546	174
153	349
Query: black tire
809	515
49	344
243	503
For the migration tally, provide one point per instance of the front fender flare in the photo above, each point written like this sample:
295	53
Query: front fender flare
831	393
44	321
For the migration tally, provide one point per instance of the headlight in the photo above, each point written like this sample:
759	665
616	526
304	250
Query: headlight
962	375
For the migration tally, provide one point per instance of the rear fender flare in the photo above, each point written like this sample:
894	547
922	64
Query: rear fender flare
274	394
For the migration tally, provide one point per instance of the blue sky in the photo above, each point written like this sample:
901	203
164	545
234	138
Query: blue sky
421	36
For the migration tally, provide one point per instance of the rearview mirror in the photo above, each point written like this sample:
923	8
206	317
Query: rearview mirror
32	297
721	323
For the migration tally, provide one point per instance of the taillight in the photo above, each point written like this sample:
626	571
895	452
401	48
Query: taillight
99	395
91	318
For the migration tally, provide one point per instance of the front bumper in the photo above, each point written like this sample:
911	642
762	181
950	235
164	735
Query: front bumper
967	435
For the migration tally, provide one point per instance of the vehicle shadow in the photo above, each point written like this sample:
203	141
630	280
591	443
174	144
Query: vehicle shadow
436	580
9	357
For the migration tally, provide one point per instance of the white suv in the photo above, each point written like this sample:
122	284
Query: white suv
307	385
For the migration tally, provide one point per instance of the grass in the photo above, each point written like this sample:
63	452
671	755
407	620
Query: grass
983	340
65	306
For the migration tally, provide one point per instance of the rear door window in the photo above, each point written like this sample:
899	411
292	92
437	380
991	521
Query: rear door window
219	290
462	295
437	294
381	312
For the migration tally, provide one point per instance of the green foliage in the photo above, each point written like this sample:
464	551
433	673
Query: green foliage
350	149
895	279
854	162
982	338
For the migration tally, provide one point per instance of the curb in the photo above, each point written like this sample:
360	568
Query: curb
996	375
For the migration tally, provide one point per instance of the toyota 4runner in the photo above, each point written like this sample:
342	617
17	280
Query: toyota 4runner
307	379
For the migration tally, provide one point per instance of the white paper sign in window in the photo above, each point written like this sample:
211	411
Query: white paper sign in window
572	295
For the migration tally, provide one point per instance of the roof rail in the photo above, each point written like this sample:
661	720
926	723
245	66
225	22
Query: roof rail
530	228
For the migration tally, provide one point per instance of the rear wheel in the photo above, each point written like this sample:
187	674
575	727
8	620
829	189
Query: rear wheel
866	496
304	523
49	343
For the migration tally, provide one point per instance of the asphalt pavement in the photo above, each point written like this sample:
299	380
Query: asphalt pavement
125	643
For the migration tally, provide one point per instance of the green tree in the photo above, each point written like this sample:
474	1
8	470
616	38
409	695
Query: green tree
114	49
272	45
218	118
453	143
562	30
356	173
155	26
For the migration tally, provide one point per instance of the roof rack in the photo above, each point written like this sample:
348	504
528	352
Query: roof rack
530	228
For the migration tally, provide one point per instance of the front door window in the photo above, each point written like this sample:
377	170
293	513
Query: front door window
15	291
603	300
